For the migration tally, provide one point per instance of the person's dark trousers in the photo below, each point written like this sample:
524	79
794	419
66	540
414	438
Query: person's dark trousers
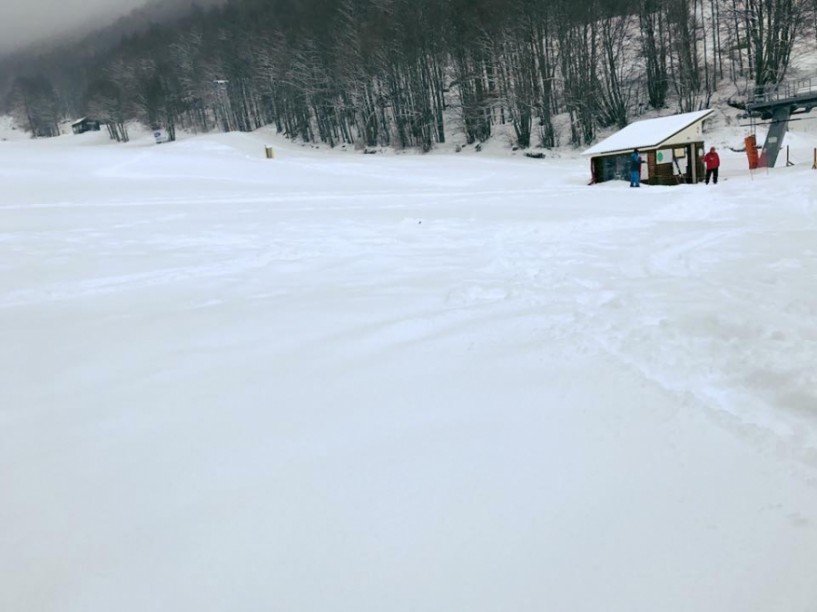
712	174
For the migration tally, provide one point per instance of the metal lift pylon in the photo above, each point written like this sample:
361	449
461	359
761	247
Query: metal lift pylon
779	103
774	138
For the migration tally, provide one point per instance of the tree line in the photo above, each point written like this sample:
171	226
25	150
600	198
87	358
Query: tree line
409	73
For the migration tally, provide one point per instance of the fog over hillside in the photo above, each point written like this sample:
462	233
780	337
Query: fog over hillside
46	23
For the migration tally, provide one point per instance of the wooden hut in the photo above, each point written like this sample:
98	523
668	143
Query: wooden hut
80	126
673	148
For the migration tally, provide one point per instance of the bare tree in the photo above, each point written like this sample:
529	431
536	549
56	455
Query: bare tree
105	101
35	106
653	21
772	28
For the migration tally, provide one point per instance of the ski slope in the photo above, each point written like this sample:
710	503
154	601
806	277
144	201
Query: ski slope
401	383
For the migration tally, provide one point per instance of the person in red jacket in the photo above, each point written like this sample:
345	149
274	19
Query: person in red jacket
713	162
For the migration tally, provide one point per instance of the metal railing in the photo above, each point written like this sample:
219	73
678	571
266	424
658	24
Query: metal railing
788	90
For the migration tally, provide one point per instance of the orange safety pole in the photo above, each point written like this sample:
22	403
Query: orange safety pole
751	151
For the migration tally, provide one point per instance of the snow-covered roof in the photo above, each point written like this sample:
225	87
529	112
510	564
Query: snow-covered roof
647	134
78	121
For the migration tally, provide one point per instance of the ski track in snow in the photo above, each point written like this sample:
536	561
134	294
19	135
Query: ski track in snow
594	265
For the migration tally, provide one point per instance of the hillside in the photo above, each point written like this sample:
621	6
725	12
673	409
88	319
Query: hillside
85	47
414	73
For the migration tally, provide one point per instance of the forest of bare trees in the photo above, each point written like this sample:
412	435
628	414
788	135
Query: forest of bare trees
409	73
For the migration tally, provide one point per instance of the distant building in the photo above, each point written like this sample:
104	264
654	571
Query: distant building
80	126
673	146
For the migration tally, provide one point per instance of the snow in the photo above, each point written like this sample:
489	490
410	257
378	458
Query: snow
399	382
646	133
9	130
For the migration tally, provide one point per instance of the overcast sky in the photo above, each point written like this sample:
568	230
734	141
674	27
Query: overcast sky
29	21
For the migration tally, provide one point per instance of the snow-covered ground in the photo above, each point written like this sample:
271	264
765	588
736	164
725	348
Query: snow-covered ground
396	383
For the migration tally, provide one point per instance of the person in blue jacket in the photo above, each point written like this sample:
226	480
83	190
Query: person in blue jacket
635	169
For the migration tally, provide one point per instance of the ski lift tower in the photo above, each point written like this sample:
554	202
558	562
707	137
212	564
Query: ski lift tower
778	103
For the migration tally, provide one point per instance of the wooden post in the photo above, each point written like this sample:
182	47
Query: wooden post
693	159
814	167
269	152
788	161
